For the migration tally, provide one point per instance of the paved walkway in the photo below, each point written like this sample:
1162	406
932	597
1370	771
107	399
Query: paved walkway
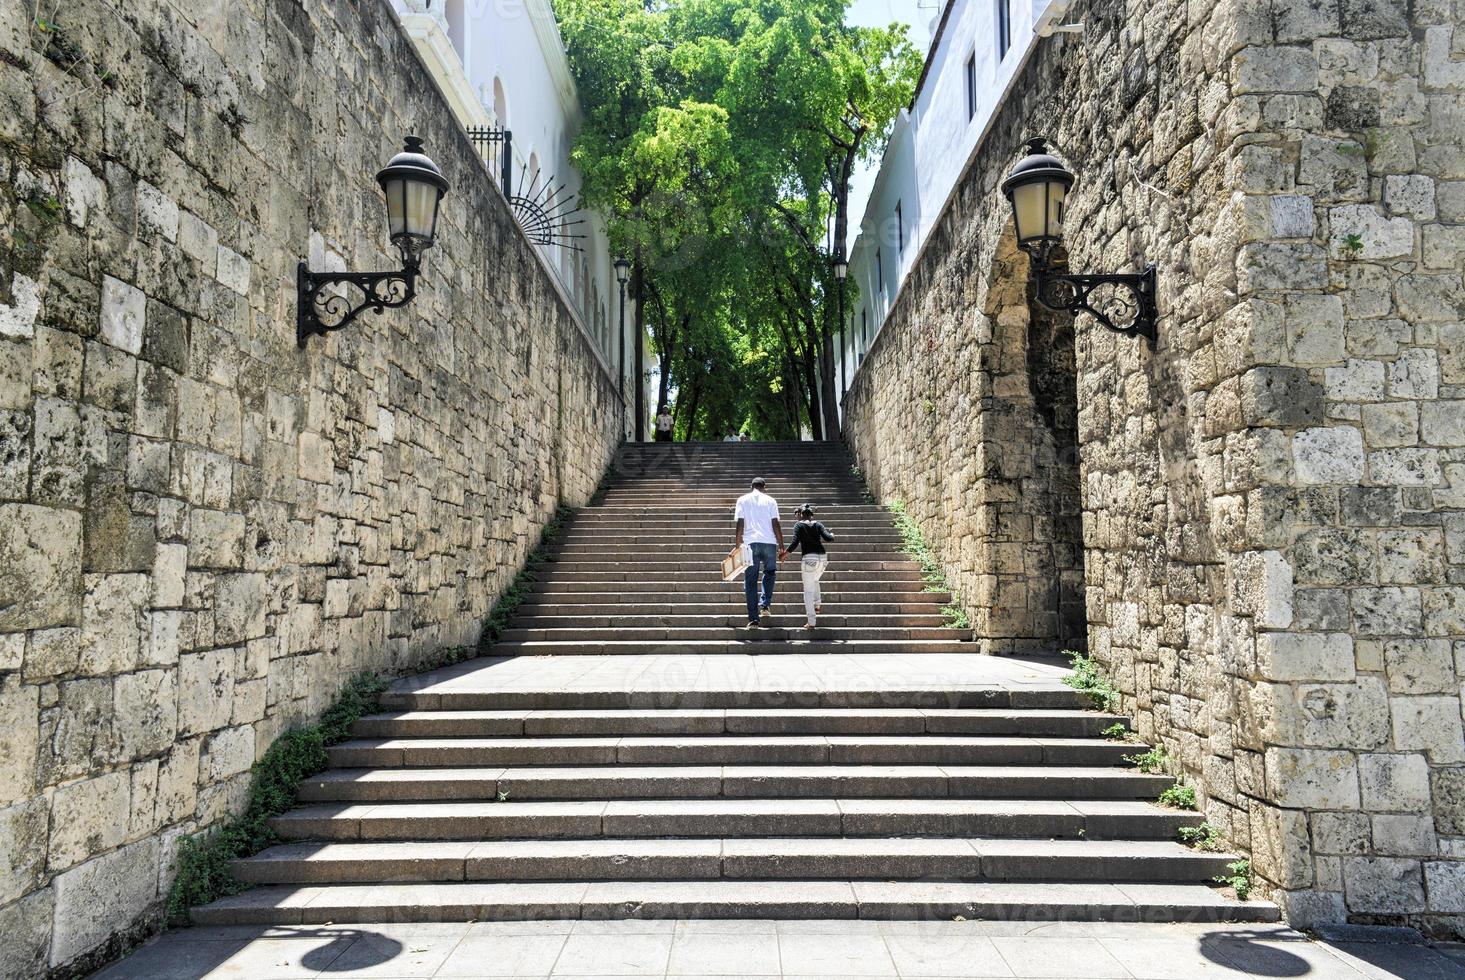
787	949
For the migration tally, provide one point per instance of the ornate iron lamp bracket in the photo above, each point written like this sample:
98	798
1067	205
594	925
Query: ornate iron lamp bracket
1122	302
320	311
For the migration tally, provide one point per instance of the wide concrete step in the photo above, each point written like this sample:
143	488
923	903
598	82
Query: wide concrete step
792	629
848	553
629	782
720	592
840	566
779	858
731	604
735	721
849	817
706	575
677	538
722	899
405	696
761	641
671	750
536	619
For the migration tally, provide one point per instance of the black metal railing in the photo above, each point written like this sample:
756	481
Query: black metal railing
496	148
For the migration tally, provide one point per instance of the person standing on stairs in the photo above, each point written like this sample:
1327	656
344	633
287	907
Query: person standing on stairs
664	423
809	537
757	526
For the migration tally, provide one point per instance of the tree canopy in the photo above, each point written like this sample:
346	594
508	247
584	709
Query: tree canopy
719	137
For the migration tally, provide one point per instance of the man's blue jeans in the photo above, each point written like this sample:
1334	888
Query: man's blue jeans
765	560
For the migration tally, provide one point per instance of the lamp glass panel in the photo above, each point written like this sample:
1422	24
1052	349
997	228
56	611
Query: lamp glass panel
1057	196
1029	211
421	208
396	207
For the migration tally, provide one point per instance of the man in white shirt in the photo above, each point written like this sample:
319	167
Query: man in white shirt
756	514
664	423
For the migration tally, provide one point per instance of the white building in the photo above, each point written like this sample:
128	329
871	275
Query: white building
501	63
976	51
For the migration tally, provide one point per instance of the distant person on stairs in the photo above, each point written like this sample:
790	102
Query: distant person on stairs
664	423
809	537
757	526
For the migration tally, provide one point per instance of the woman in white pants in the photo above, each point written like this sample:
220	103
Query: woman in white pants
809	537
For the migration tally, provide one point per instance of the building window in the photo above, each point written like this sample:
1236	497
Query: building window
864	327
899	229
1004	27
879	273
971	86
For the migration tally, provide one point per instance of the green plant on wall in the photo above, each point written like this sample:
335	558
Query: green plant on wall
1179	796
1352	246
1088	678
1154	760
203	869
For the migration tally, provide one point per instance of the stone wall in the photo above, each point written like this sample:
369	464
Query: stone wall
203	529
1273	499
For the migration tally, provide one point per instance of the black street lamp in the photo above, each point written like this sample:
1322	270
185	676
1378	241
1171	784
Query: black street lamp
623	273
1038	189
414	189
841	269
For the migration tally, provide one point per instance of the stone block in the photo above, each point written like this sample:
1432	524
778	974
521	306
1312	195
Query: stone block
1394	782
157	213
1392	611
1383	884
216	539
40	567
1262	587
1442	422
1273	69
19	318
1404	835
1279	846
1328	455
1405	467
1305	656
1314	328
112	623
233	270
26	926
123	313
1312	778
1429	297
164	629
1376	236
240	604
1410	195
1337	170
1390	424
1341	833
1429	724
1280	396
146	713
1443	67
1356	380
170	564
205	691
19	739
94	897
76	731
1444	881
89	816
177	795
226	753
1444	611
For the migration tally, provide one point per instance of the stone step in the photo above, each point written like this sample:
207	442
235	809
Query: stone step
690	781
853	553
537	619
1070	819
739	721
791	630
722	899
612	538
843	566
408	696
763	642
671	750
719	591
729	604
705	575
778	858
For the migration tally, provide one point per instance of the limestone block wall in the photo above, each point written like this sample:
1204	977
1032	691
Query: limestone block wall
203	529
1272	512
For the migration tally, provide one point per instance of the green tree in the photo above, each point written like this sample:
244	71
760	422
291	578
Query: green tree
719	135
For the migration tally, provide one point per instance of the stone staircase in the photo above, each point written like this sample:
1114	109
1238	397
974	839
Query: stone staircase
689	768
